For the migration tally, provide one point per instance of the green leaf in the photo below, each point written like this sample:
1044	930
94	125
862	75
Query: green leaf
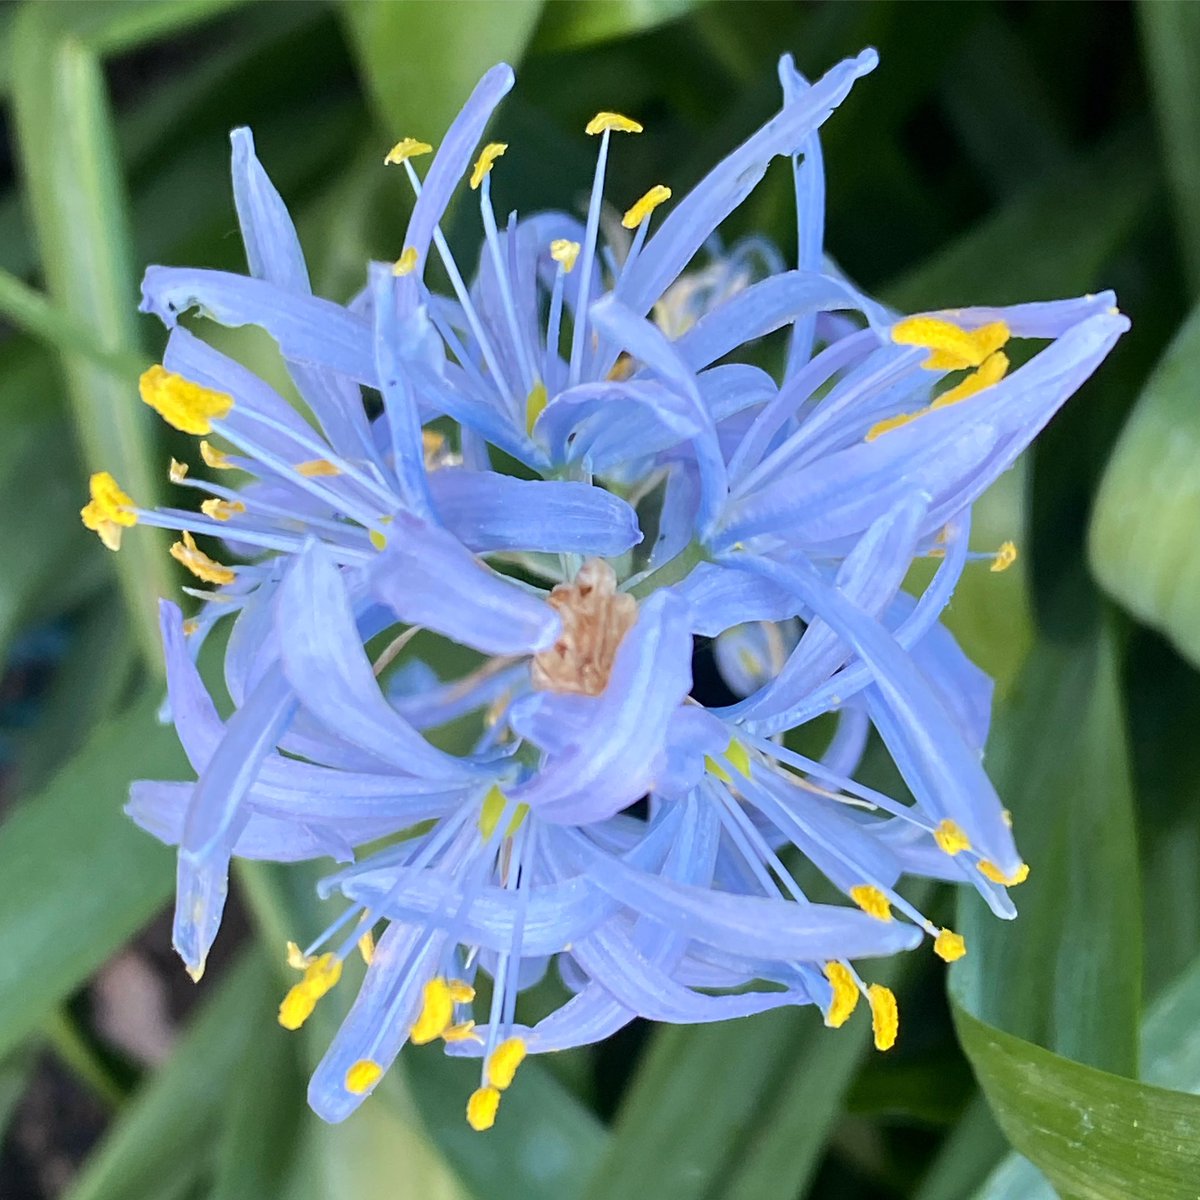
420	59
1097	1136
1078	935
165	1135
1143	534
69	163
79	877
1171	38
570	24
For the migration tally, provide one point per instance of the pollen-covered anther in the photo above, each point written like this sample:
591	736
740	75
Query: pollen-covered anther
951	838
992	370
565	252
363	1076
1005	557
535	405
595	617
490	812
739	757
406	263
200	565
436	1015
318	468
405	149
177	471
989	870
109	510
503	1062
218	460
845	994
602	122
187	406
191	626
464	1031
297	959
949	946
222	510
872	901
485	162
885	1016
952	348
366	947
320	976
639	211
482	1108
888	424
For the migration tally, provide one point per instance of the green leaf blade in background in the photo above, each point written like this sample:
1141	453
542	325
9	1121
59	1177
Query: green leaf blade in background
1142	542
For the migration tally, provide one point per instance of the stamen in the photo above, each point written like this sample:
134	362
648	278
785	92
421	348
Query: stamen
462	1032
366	947
109	510
407	261
405	149
437	1013
989	870
739	756
952	348
951	838
885	1016
949	946
714	768
485	162
845	994
187	406
318	468
296	958
1005	557
482	1108
200	565
564	251
320	976
363	1076
492	809
503	1062
177	471
535	405
872	901
218	460
222	510
602	122
638	212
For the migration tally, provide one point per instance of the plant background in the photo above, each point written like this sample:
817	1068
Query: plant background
1001	152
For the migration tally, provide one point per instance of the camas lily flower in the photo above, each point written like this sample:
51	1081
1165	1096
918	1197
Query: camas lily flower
604	818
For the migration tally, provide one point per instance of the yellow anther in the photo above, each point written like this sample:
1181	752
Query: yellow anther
1005	557
951	838
535	405
739	757
187	406
297	959
366	947
177	471
492	809
406	263
949	945
888	424
638	212
885	1016
200	565
405	149
604	121
464	1031
989	870
485	162
714	768
482	1108
218	460
363	1076
1006	817
461	992
437	1011
109	510
378	540
504	1060
564	251
951	348
872	901
190	626
994	368
320	975
845	994
222	510
318	468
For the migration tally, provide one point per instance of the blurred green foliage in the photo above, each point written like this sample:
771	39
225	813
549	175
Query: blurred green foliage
1001	152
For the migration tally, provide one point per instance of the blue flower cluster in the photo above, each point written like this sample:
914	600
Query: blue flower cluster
664	497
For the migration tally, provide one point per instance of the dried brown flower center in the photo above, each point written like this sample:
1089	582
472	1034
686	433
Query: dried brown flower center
595	617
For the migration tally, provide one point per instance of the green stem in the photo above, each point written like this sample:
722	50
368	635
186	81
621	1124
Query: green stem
670	572
79	1056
